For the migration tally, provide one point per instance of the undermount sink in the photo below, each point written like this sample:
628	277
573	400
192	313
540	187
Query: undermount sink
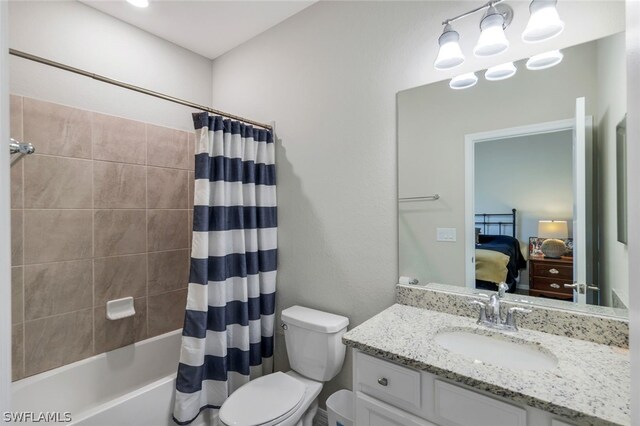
497	351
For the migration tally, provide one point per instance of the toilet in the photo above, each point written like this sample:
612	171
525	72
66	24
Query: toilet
316	355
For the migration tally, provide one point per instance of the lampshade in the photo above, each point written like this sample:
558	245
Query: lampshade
139	3
492	39
544	22
544	60
450	55
500	72
463	81
556	229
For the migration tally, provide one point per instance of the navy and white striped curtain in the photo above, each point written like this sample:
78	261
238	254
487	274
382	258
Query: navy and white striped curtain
228	332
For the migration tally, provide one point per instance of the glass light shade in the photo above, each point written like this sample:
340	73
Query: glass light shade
553	229
544	22
492	39
139	3
500	72
463	81
450	55
544	60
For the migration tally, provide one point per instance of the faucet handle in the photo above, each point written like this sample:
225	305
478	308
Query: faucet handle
502	289
511	320
519	309
483	310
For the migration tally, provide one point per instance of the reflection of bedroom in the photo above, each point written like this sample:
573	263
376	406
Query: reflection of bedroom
532	174
437	146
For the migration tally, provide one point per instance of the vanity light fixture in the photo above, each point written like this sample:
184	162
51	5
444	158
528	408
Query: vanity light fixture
544	60
544	22
449	55
500	72
139	3
463	81
492	39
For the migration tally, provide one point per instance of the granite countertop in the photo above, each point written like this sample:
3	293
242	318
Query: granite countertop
590	384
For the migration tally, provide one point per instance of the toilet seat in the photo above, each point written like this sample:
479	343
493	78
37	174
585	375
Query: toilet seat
265	401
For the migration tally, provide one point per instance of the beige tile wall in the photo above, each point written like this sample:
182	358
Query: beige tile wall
101	211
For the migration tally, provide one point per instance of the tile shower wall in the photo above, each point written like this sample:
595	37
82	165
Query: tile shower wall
101	211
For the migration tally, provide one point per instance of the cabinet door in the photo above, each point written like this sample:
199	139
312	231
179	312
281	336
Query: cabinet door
371	412
461	407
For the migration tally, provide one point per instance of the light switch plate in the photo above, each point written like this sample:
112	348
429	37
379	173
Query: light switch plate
446	234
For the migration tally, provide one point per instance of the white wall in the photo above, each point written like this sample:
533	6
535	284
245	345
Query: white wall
612	106
75	34
633	167
5	228
328	76
531	173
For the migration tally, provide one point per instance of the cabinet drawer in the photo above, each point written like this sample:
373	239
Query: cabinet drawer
553	270
555	285
371	412
388	381
458	406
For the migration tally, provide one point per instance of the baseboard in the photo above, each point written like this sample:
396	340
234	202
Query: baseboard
321	418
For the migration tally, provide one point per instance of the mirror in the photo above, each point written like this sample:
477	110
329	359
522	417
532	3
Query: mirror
527	176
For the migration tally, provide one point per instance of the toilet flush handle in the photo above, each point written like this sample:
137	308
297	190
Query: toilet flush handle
284	326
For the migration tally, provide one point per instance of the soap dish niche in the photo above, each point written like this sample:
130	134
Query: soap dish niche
120	308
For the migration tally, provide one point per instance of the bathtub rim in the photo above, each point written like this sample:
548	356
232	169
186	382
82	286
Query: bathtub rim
27	381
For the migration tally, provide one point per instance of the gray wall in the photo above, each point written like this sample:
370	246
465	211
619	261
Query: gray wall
633	163
77	35
612	94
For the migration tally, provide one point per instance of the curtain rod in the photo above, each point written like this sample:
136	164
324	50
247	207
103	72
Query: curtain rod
138	89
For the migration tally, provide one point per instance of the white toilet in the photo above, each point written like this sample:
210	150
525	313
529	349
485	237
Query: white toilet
316	355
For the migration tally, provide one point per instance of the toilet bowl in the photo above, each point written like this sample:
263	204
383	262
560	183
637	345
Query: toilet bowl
316	355
284	399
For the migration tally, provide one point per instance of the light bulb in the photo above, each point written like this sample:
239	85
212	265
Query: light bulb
463	81
492	39
450	55
544	22
544	60
500	72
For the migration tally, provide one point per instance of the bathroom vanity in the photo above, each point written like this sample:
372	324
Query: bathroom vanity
417	366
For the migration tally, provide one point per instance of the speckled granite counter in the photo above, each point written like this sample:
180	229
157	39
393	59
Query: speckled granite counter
596	324
590	385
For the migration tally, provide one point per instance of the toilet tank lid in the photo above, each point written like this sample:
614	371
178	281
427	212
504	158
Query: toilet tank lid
315	320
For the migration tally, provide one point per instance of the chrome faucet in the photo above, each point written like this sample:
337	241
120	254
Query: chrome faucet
490	312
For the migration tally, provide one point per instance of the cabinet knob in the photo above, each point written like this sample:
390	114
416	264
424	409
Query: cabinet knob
554	271
554	285
383	381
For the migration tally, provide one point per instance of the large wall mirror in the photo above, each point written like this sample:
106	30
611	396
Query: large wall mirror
526	176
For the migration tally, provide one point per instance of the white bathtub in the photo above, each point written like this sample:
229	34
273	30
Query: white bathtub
133	385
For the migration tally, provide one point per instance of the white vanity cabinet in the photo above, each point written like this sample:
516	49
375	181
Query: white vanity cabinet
388	394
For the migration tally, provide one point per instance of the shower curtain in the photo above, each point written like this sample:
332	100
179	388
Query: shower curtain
228	332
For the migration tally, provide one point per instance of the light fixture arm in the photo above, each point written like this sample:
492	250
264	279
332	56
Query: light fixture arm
471	12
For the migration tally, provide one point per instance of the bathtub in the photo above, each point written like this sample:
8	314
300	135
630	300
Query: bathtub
133	385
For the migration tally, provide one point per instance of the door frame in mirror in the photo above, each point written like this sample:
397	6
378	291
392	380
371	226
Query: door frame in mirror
470	141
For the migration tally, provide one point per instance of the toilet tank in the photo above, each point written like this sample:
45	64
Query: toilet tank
314	342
